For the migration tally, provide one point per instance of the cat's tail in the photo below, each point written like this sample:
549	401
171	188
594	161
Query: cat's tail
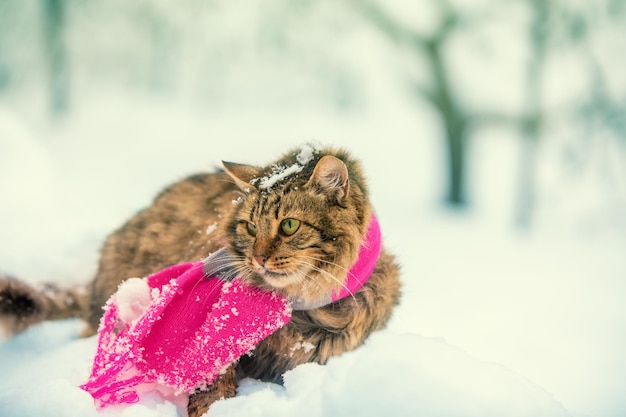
22	304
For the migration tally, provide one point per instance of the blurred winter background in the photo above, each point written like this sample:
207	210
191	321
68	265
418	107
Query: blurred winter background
493	134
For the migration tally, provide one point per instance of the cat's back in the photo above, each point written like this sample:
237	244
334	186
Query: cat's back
181	225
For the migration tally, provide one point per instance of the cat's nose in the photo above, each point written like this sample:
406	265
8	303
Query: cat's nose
260	259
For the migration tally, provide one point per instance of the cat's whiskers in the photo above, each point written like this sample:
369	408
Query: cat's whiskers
199	280
238	270
324	261
322	271
229	260
233	266
306	281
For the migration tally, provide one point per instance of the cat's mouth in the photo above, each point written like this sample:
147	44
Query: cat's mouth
273	274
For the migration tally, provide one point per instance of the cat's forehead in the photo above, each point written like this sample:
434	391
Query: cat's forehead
285	200
293	167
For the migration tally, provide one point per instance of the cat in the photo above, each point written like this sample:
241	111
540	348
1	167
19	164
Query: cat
294	226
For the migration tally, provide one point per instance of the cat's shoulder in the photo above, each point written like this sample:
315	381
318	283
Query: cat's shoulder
198	184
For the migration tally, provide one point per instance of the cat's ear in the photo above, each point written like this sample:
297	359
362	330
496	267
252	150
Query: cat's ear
330	176
241	174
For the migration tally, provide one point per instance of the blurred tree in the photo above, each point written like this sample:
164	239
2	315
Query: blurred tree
552	26
589	116
531	122
440	92
56	52
458	120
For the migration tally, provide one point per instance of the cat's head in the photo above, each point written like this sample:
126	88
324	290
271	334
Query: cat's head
299	222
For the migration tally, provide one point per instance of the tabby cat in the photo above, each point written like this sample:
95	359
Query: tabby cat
294	226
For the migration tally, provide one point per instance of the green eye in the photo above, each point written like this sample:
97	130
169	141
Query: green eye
251	229
290	226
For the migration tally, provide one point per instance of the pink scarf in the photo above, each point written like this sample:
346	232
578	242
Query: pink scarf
176	331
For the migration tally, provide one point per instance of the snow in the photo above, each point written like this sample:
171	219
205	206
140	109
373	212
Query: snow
348	387
494	321
305	346
306	154
211	228
279	173
395	373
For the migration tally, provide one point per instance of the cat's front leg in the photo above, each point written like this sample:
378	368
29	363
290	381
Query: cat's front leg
225	386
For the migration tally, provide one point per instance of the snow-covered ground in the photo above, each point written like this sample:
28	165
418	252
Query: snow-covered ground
493	322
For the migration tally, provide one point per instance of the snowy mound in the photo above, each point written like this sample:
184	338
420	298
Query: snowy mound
393	374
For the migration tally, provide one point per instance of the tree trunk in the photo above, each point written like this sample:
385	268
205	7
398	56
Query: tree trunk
532	123
454	122
56	54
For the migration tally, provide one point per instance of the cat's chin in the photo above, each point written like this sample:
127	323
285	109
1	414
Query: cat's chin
278	280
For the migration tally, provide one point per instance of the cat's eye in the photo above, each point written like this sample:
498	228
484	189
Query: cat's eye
251	229
290	226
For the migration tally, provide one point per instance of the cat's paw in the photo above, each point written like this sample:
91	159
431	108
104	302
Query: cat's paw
20	305
224	387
